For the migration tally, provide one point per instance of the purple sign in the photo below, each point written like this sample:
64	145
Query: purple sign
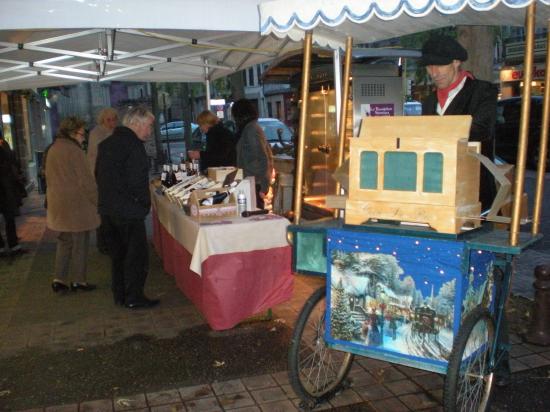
378	109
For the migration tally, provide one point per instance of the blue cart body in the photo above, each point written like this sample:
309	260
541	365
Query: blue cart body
402	298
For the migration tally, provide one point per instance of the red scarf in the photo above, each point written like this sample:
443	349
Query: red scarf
443	94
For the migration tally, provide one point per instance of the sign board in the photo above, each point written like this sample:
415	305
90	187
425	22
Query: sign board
516	74
378	109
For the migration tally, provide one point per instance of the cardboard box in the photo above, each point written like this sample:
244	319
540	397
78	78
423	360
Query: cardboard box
218	173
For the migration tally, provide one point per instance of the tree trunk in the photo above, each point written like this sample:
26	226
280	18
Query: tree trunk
159	159
186	115
479	41
237	86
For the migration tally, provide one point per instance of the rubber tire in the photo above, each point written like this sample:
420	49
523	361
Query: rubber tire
454	378
312	319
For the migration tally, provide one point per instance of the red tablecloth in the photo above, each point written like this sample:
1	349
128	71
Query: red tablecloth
231	286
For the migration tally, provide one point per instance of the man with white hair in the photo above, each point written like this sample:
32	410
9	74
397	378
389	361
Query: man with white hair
122	174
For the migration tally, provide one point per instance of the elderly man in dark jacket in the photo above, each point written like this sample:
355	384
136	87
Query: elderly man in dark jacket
122	179
458	92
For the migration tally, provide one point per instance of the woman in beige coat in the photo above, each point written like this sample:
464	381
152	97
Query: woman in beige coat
72	205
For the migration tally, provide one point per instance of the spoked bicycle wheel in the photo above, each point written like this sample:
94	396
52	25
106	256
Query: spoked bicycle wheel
316	372
469	378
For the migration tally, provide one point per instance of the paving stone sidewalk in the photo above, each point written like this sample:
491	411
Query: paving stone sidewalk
376	385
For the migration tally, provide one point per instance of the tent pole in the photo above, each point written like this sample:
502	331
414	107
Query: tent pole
337	63
344	112
345	104
543	147
207	84
304	96
524	123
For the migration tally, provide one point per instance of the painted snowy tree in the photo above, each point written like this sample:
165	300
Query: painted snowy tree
444	302
340	320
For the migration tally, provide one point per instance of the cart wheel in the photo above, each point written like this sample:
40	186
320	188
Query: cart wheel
316	372
469	378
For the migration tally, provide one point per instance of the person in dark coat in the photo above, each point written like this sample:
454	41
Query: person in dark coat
122	175
254	154
9	199
220	143
458	93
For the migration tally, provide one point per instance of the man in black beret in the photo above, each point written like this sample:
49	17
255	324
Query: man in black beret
458	92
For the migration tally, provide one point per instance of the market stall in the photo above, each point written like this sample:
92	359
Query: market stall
230	269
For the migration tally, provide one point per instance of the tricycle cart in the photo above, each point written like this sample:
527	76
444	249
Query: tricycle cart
429	296
408	296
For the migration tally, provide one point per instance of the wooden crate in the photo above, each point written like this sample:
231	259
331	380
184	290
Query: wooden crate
219	173
213	212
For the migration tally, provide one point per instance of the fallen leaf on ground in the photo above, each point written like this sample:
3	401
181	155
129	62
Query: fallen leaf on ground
218	364
124	402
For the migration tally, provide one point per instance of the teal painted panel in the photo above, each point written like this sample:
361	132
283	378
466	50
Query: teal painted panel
368	177
433	173
310	252
400	171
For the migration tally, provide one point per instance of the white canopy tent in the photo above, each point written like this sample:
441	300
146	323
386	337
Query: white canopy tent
372	20
57	42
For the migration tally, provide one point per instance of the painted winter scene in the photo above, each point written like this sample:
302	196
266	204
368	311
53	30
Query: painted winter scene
399	293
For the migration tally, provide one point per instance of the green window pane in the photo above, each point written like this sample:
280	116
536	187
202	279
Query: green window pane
368	170
400	171
310	254
433	173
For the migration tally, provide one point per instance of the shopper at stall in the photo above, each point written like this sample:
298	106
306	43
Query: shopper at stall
10	199
458	92
220	143
107	120
253	151
72	205
122	173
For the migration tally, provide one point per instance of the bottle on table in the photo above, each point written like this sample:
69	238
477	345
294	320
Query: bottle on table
164	175
215	199
177	175
241	203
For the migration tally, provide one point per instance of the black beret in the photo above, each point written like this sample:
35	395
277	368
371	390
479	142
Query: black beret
442	50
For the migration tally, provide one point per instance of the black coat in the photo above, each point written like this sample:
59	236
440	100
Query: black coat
10	197
220	148
122	174
477	98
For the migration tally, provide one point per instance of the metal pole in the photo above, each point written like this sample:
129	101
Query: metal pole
207	83
337	63
169	160
344	110
543	148
304	95
524	123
